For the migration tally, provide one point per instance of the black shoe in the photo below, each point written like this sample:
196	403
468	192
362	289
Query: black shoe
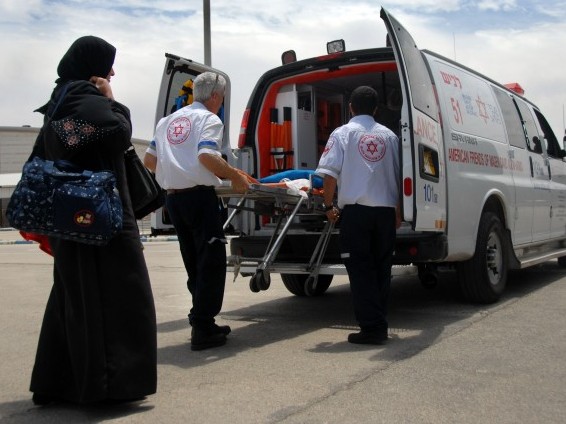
215	328
368	337
223	329
204	340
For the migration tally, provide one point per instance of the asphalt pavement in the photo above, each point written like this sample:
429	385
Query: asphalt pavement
287	359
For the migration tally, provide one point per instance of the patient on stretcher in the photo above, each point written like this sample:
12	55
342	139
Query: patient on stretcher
297	181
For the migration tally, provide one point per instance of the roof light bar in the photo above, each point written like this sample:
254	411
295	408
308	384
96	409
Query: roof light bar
288	57
336	46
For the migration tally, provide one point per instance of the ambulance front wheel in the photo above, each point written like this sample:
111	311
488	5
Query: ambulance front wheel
483	277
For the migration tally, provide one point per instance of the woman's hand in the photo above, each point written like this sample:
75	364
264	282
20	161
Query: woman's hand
103	85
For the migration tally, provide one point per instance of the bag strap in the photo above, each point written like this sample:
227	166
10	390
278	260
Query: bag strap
69	167
38	147
59	100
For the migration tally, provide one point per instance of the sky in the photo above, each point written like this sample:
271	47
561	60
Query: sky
506	40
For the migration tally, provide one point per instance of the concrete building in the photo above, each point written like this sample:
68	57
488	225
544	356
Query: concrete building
15	147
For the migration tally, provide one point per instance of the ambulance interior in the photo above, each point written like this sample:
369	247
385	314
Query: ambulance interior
298	113
304	110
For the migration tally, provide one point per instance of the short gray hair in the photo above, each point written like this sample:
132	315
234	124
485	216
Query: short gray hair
207	83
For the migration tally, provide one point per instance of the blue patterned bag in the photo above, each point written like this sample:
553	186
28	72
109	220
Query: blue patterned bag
58	200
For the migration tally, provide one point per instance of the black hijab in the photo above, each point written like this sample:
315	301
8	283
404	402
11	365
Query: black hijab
77	111
88	56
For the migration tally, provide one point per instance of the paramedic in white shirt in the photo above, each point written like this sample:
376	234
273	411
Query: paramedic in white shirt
188	164
361	158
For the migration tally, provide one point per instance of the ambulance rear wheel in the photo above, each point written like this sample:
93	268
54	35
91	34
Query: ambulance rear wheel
483	277
296	284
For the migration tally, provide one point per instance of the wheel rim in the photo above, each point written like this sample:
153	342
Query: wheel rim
494	258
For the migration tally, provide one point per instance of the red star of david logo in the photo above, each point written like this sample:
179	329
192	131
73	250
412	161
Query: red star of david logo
372	148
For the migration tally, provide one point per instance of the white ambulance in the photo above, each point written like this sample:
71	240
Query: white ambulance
483	177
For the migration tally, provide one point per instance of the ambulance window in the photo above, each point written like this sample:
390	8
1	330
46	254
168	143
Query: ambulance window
513	124
180	90
552	147
414	70
421	89
533	136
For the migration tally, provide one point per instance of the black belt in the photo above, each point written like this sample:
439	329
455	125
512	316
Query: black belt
185	190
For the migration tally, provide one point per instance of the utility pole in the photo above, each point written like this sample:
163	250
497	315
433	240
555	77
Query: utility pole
206	15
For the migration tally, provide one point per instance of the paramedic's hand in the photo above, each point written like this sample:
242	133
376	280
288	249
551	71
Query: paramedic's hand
240	183
103	85
333	214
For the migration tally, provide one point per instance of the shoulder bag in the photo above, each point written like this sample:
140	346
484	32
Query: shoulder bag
145	193
60	200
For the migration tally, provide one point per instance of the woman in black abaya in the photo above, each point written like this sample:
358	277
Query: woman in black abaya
98	337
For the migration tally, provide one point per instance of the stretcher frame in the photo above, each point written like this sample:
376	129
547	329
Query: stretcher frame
285	205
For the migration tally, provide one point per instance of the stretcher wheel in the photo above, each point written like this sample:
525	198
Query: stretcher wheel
428	276
253	286
260	280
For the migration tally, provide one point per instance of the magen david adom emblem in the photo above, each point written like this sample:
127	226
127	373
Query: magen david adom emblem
178	130
372	147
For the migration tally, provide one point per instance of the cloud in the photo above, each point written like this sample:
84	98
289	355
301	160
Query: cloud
503	39
496	5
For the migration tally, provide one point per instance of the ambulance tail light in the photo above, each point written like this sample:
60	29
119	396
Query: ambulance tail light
408	187
243	129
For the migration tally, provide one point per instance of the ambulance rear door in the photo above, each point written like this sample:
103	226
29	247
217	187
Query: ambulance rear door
422	153
174	92
176	73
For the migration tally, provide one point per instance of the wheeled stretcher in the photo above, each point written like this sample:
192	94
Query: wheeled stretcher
285	207
282	205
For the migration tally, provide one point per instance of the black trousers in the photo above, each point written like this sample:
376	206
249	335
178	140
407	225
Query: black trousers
367	241
196	218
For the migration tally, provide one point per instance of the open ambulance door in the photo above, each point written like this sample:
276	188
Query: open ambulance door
175	91
422	154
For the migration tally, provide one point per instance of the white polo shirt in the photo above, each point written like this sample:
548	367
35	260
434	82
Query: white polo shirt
179	139
363	156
